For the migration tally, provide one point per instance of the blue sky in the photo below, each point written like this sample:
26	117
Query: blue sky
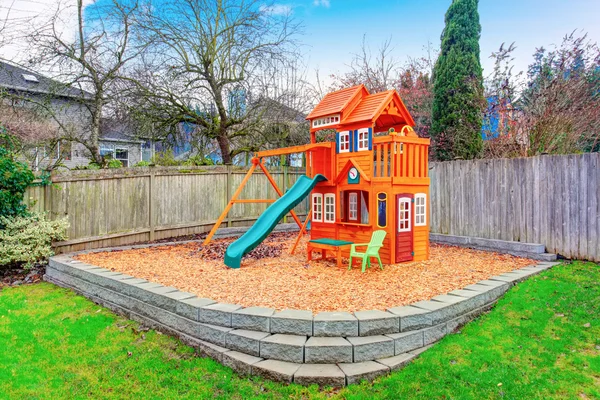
333	29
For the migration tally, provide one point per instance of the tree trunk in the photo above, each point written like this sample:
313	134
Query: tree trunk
94	145
224	148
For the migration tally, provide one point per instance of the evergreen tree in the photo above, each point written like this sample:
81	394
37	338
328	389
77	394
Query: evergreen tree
458	86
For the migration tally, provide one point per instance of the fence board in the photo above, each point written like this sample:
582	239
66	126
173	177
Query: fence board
553	200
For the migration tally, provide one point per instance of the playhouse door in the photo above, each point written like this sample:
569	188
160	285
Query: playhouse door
404	227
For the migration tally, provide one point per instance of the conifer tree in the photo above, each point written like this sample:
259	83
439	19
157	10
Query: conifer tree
458	86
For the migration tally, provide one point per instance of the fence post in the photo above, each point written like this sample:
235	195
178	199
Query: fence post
151	186
229	182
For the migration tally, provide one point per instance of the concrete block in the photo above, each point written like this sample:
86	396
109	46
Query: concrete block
477	299
324	350
245	341
460	305
488	282
411	318
211	350
367	370
376	322
440	312
320	374
293	322
490	293
406	341
213	333
283	347
165	297
217	314
253	318
548	264
396	362
279	371
504	278
189	308
239	362
433	334
337	323
368	348
418	352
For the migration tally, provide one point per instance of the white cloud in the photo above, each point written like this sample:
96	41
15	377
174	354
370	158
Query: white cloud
322	3
276	9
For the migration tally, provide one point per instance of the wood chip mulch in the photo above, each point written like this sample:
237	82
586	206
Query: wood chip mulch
271	277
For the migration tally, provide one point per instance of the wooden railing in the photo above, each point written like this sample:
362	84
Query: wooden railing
400	157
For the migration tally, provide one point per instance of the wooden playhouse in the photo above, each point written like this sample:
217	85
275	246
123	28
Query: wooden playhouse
377	173
372	177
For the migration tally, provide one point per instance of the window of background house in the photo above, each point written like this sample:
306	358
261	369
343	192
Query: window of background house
123	156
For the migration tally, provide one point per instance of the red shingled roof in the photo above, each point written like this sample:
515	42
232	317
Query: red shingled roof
371	106
335	102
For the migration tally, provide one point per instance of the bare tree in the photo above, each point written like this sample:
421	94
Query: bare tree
93	60
207	65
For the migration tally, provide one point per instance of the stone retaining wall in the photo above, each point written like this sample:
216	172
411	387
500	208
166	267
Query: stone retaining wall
329	348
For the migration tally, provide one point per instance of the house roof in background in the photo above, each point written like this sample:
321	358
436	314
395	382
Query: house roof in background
18	78
113	130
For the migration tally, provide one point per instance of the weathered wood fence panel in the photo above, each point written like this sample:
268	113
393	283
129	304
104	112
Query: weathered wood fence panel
110	208
553	200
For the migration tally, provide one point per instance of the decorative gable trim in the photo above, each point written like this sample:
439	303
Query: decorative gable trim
344	172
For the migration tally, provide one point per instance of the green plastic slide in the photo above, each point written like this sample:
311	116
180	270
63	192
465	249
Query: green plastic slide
269	219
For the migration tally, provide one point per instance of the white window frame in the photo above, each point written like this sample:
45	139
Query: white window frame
352	206
344	138
420	209
362	139
122	159
329	204
317	207
407	227
326	121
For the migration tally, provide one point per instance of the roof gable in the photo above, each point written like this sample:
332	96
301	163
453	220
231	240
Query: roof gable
335	102
373	106
344	172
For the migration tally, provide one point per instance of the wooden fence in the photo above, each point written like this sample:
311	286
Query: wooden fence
117	207
553	200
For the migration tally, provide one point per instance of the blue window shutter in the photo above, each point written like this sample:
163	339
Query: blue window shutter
356	140
370	139
337	142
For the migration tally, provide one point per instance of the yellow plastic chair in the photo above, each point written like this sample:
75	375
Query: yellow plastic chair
372	250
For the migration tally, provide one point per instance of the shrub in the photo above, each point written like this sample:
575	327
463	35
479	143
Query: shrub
198	160
142	164
26	240
15	177
165	159
113	163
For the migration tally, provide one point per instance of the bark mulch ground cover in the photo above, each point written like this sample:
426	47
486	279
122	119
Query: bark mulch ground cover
271	277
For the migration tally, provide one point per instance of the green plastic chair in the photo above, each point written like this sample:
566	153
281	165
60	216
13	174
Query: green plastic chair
372	250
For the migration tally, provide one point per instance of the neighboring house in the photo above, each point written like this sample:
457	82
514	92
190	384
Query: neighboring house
499	119
65	111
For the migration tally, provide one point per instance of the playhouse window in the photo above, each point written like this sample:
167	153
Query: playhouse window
317	207
330	208
363	139
355	206
420	212
381	210
344	142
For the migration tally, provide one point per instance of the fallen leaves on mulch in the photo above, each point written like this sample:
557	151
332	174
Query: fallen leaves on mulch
271	277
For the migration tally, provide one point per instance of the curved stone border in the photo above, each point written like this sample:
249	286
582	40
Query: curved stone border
329	348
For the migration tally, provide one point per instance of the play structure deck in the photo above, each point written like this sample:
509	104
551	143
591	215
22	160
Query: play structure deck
366	170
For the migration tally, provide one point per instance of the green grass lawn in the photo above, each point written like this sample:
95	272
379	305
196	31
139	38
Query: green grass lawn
542	340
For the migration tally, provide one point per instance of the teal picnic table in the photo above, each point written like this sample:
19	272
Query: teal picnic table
328	244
